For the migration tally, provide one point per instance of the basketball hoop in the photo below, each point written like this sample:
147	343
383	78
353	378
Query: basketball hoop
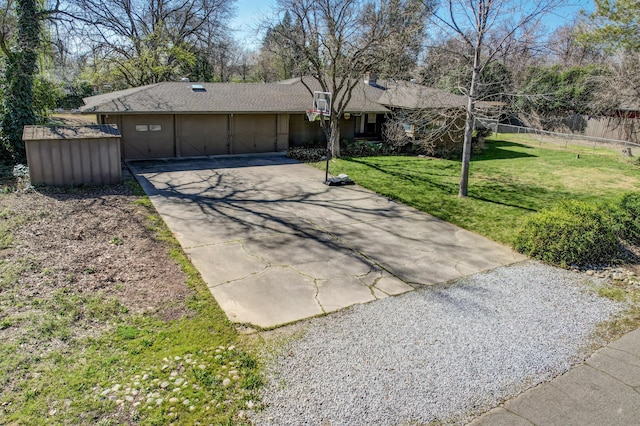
314	114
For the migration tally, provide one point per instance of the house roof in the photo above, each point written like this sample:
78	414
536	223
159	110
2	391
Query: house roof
33	133
409	95
290	96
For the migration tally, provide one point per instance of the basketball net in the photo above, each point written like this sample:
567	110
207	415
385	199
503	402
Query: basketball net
314	114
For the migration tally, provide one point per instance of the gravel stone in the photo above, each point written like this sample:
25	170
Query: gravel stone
443	353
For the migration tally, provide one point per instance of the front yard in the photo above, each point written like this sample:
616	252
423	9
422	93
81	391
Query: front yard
104	321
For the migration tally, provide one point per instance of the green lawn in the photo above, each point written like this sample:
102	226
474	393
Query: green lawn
508	181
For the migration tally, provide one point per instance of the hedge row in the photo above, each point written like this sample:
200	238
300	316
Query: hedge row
576	233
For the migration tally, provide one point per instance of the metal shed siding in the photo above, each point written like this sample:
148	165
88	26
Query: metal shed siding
78	161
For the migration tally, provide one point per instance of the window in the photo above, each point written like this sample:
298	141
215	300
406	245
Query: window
148	127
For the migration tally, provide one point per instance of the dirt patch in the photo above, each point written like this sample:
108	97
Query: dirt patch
93	244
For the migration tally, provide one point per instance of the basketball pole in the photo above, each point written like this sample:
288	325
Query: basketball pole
327	154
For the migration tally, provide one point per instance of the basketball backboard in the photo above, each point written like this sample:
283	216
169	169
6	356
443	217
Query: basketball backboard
322	102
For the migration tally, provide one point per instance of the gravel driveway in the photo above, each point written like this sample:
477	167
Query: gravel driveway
443	353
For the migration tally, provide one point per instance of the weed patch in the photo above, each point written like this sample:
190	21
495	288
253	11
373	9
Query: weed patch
88	337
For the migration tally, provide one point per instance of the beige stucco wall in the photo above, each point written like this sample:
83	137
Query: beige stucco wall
302	131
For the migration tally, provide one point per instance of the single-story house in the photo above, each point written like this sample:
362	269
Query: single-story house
181	119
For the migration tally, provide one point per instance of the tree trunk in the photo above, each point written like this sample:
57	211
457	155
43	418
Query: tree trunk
334	138
468	129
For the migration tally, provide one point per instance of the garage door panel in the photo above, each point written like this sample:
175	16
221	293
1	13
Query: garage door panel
148	136
201	135
254	133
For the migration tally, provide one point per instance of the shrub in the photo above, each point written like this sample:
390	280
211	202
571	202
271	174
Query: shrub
306	154
363	148
627	217
571	233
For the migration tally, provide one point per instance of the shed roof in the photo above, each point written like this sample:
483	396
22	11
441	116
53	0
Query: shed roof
290	96
98	131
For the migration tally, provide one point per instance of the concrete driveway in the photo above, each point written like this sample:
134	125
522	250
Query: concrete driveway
276	245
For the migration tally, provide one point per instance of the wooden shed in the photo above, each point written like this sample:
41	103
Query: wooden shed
67	156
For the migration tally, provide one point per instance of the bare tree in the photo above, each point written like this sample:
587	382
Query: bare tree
338	41
245	64
568	51
488	28
146	41
432	131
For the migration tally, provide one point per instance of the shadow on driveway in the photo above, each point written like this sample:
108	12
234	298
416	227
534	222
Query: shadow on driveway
276	245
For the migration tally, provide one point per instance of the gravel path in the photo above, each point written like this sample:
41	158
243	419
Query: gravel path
441	353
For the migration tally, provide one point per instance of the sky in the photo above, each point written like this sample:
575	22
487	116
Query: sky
249	13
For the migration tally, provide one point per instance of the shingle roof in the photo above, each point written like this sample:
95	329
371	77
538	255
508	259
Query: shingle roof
178	97
413	96
97	131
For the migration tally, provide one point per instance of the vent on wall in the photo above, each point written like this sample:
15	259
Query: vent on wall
198	88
